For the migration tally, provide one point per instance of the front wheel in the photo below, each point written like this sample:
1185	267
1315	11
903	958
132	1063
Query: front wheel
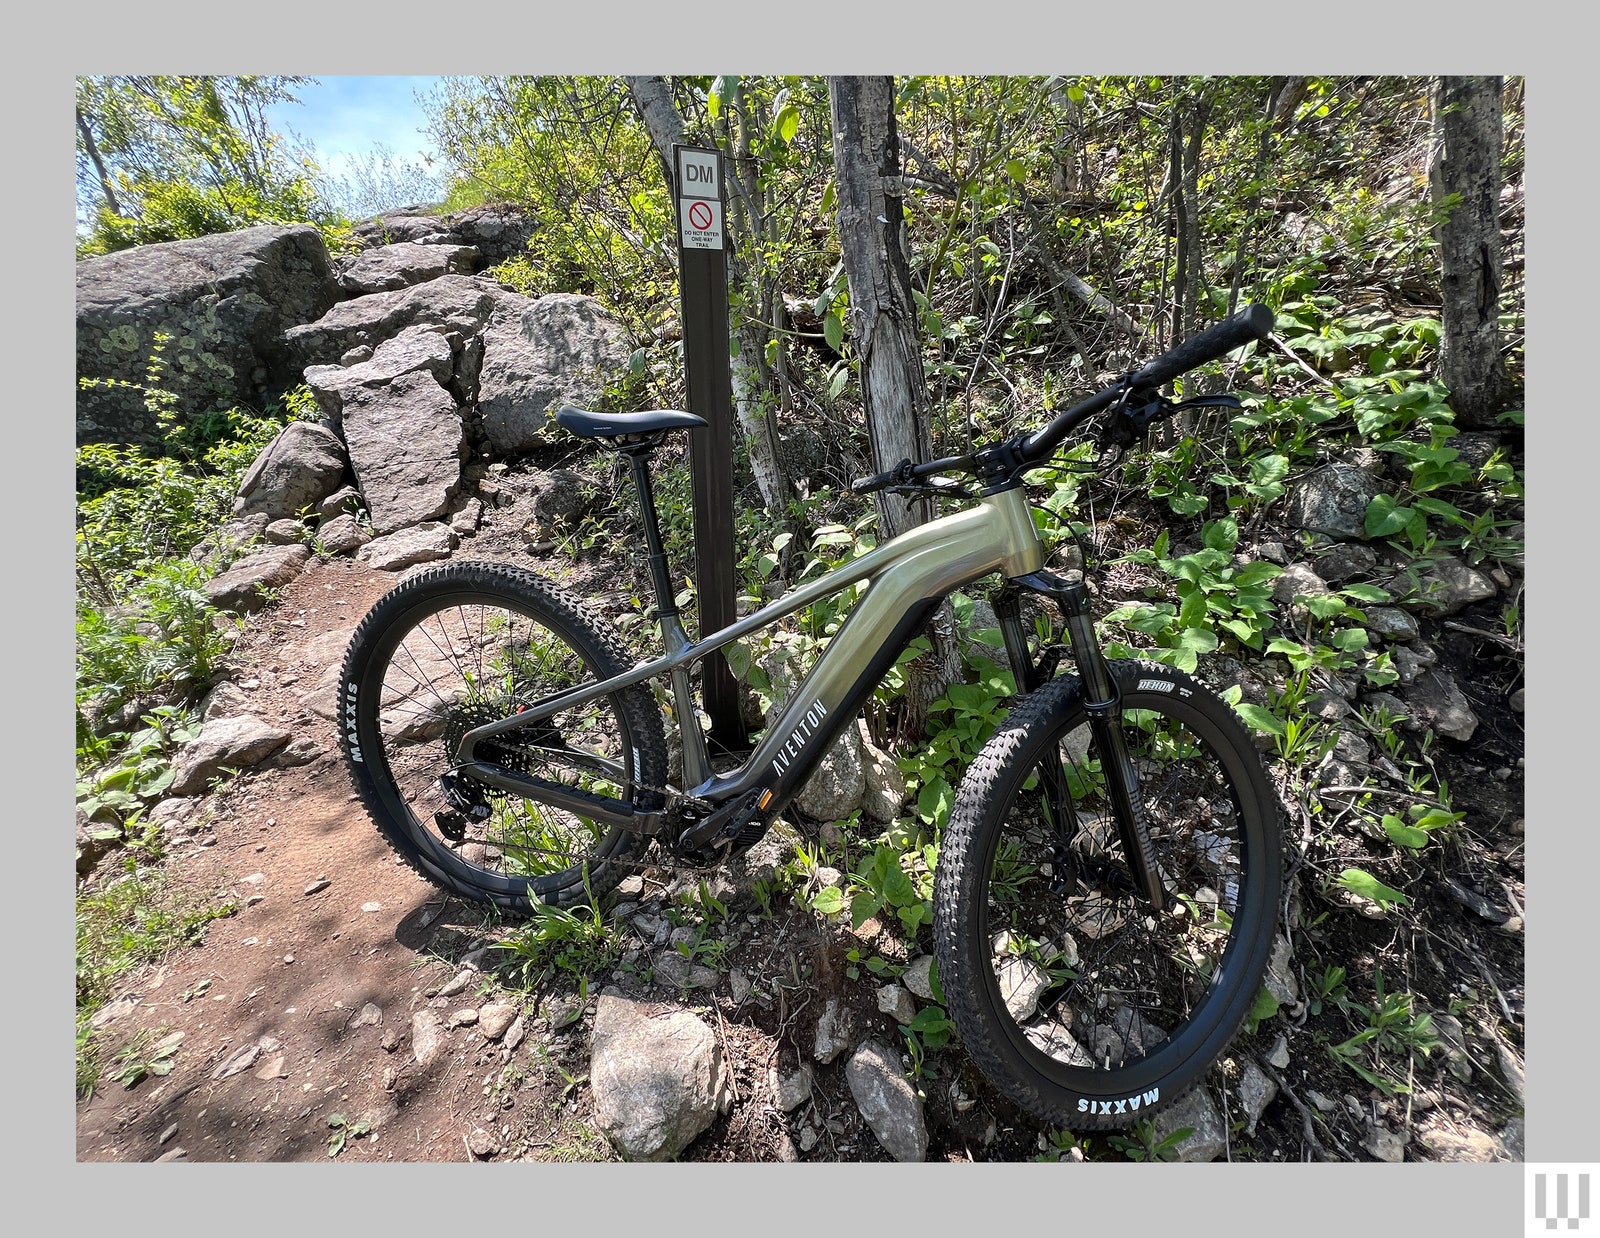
1075	999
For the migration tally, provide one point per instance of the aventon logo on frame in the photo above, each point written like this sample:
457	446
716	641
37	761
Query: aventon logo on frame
1557	1198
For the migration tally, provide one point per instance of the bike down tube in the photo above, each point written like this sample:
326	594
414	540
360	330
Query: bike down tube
910	571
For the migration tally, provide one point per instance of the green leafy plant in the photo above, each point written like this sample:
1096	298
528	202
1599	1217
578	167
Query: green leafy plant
1144	1143
1395	1029
138	1060
343	1129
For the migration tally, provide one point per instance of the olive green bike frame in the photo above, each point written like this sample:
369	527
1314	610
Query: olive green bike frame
906	579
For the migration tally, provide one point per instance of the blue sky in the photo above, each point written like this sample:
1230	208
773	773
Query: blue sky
345	117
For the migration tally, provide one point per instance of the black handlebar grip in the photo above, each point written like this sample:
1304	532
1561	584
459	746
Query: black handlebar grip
1249	324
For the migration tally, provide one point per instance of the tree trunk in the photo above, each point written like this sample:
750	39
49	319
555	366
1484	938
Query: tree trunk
653	99
883	328
93	151
1466	162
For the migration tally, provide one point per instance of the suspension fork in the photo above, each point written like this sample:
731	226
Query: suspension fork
1103	704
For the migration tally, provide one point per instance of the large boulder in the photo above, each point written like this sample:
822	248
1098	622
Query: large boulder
460	303
232	742
417	349
1333	500
299	469
496	232
399	266
224	300
561	349
241	588
405	441
406	223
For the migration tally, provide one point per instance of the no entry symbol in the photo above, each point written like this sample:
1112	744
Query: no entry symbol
700	217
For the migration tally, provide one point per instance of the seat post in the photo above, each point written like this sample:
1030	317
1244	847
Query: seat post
660	575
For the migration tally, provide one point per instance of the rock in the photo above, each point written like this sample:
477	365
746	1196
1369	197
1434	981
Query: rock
777	846
1436	701
834	1031
1280	978
240	587
495	1018
464	1017
481	1143
1256	1091
1513	1140
676	971
112	1011
401	225
1391	623
285	532
1411	660
1333	500
884	786
224	701
1386	1145
300	468
497	232
427	1036
422	544
225	299
465	520
1297	579
1346	561
239	1062
790	1091
345	501
341	535
835	787
1518	701
356	355
738	986
888	1102
419	349
515	1033
1196	1111
1454	1143
561	349
236	742
403	263
897	1004
1279	1057
174	1154
461	303
1442	588
370	1015
405	443
916	977
317	886
224	543
1021	981
658	1080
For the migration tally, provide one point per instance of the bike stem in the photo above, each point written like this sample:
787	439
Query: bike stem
1103	704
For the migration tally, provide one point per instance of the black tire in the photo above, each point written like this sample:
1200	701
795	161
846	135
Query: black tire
1081	1056
451	648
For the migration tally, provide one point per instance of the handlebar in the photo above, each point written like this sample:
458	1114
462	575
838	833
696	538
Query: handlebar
1253	323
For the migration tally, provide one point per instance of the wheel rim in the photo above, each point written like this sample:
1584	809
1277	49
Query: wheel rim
450	665
1090	987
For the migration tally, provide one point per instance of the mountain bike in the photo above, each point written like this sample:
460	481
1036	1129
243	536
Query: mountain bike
1106	889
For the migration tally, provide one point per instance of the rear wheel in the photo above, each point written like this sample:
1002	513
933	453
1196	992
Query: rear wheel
462	645
1073	997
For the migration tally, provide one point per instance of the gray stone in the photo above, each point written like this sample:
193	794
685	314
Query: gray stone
1256	1091
1386	1145
241	587
1346	561
405	443
356	355
300	468
496	1018
1280	978
658	1079
884	786
1437	702
224	701
916	976
218	548
422	544
235	742
897	1003
403	263
1297	579
1209	1134
514	1034
790	1091
496	232
1442	588
561	349
1279	1057
225	299
341	535
370	1015
1513	1140
237	1063
835	1031
301	750
1410	661
427	1036
888	1102
462	303
345	501
1021	981
403	224
1391	623
465	520
677	971
738	986
286	532
1333	500
416	350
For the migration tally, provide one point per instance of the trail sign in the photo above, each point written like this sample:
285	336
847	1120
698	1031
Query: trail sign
703	286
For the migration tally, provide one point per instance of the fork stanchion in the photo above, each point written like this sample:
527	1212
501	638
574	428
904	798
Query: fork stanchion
703	285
